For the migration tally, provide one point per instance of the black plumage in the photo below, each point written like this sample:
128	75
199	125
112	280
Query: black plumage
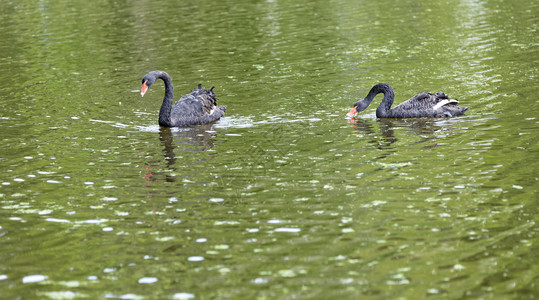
195	108
421	105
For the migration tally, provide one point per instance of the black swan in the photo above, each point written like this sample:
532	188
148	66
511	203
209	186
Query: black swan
420	105
198	107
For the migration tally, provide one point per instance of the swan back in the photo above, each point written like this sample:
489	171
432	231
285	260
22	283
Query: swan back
427	105
197	107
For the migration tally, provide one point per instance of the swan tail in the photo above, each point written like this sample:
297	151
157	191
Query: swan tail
447	107
454	110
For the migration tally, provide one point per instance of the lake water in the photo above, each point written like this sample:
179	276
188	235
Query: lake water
284	198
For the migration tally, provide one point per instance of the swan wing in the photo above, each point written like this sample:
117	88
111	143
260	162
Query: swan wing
198	107
426	100
188	105
427	105
418	102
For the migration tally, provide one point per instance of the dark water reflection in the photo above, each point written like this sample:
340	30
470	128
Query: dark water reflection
381	133
284	197
187	141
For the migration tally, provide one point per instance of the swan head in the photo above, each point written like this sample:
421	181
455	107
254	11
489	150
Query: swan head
147	81
359	106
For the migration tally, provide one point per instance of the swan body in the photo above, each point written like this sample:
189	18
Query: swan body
198	107
421	105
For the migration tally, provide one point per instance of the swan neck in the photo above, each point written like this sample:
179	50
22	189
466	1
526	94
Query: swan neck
389	97
166	107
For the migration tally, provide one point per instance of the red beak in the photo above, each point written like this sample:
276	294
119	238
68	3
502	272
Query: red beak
143	89
352	113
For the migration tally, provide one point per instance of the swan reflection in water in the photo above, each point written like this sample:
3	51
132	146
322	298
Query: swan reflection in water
381	141
427	128
196	138
189	143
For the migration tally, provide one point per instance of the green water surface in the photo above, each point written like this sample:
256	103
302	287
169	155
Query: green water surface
284	198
